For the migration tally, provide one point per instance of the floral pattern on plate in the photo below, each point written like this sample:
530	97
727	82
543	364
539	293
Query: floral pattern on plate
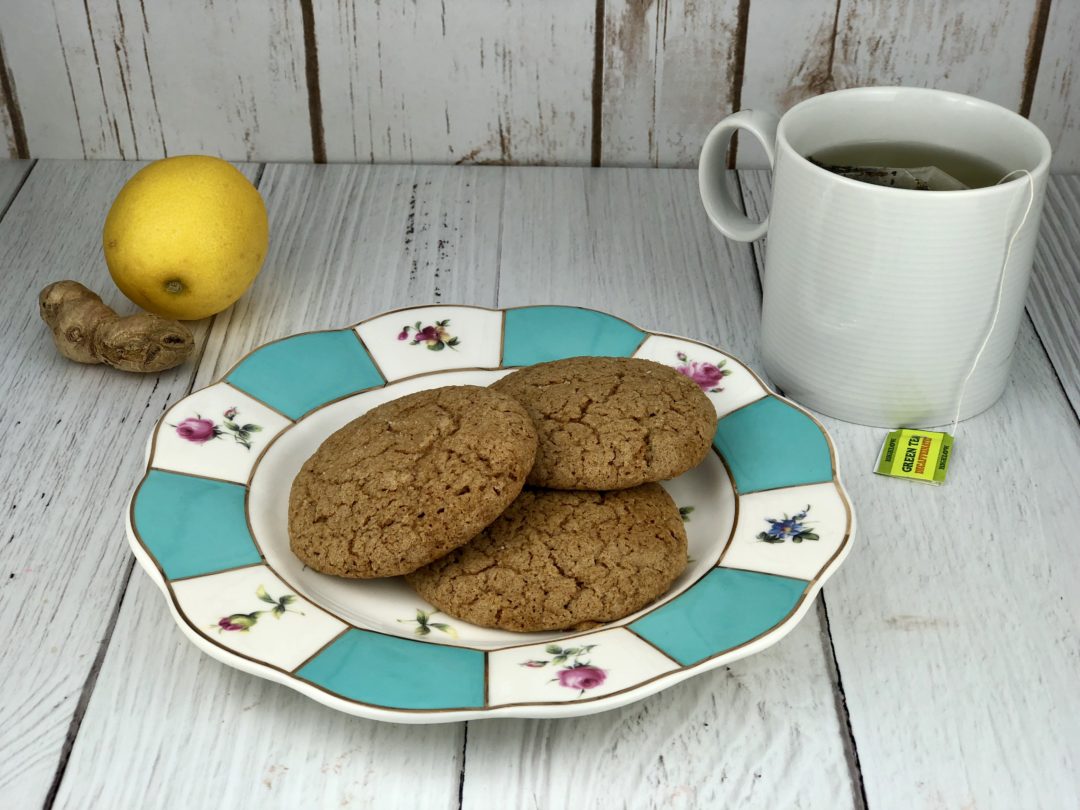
198	430
424	625
707	375
772	538
379	639
253	611
217	432
243	622
795	528
435	336
579	674
580	668
454	337
723	379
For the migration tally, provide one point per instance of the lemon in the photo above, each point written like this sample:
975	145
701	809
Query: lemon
186	236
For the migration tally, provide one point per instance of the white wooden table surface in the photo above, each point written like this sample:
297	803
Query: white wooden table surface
940	667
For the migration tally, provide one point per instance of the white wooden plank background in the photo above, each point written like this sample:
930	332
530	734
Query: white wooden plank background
1056	102
354	224
133	79
65	474
671	71
637	244
348	242
484	81
800	48
465	82
12	175
959	663
1054	301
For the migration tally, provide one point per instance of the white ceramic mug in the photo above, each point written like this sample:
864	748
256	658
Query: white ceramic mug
877	299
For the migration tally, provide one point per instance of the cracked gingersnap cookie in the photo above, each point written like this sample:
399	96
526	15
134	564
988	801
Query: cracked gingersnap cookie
559	559
611	422
409	481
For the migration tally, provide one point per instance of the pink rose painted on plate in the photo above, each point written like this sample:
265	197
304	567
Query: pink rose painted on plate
580	674
706	375
196	429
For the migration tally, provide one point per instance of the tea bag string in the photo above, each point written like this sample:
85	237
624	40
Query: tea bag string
997	295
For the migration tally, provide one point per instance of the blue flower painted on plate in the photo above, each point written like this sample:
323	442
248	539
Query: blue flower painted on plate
794	528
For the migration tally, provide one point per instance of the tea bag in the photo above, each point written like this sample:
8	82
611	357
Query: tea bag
922	178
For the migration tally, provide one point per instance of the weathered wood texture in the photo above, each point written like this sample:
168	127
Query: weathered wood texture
168	727
1056	101
1054	301
471	81
833	44
959	663
132	79
670	72
765	731
66	477
945	662
348	242
12	175
617	82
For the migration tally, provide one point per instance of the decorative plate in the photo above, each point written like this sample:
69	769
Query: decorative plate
767	519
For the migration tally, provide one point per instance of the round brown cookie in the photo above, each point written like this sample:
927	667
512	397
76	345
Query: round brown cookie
556	560
611	422
409	481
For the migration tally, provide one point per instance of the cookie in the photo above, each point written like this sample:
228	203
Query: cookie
557	559
611	422
409	481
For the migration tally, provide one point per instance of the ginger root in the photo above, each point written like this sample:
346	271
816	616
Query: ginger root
85	330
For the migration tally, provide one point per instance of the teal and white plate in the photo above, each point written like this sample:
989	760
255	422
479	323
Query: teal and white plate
766	515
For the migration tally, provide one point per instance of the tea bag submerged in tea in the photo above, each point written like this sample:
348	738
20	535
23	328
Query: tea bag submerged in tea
922	178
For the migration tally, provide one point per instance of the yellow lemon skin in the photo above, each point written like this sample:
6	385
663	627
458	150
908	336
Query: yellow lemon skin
186	236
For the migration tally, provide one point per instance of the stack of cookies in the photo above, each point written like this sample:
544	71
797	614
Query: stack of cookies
530	505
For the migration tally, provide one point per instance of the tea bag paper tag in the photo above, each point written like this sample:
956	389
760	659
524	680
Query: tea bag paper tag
917	455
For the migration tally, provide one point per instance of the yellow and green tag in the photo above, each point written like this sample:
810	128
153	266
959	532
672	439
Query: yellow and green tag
918	455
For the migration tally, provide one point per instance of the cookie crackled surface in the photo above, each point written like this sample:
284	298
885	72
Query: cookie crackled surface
409	481
557	559
611	422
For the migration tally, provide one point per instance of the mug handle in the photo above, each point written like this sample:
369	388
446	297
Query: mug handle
724	212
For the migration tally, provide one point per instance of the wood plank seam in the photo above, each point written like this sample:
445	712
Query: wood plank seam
598	84
498	274
499	245
851	748
753	253
1034	55
311	69
464	754
8	203
95	669
11	102
88	690
738	71
1050	361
